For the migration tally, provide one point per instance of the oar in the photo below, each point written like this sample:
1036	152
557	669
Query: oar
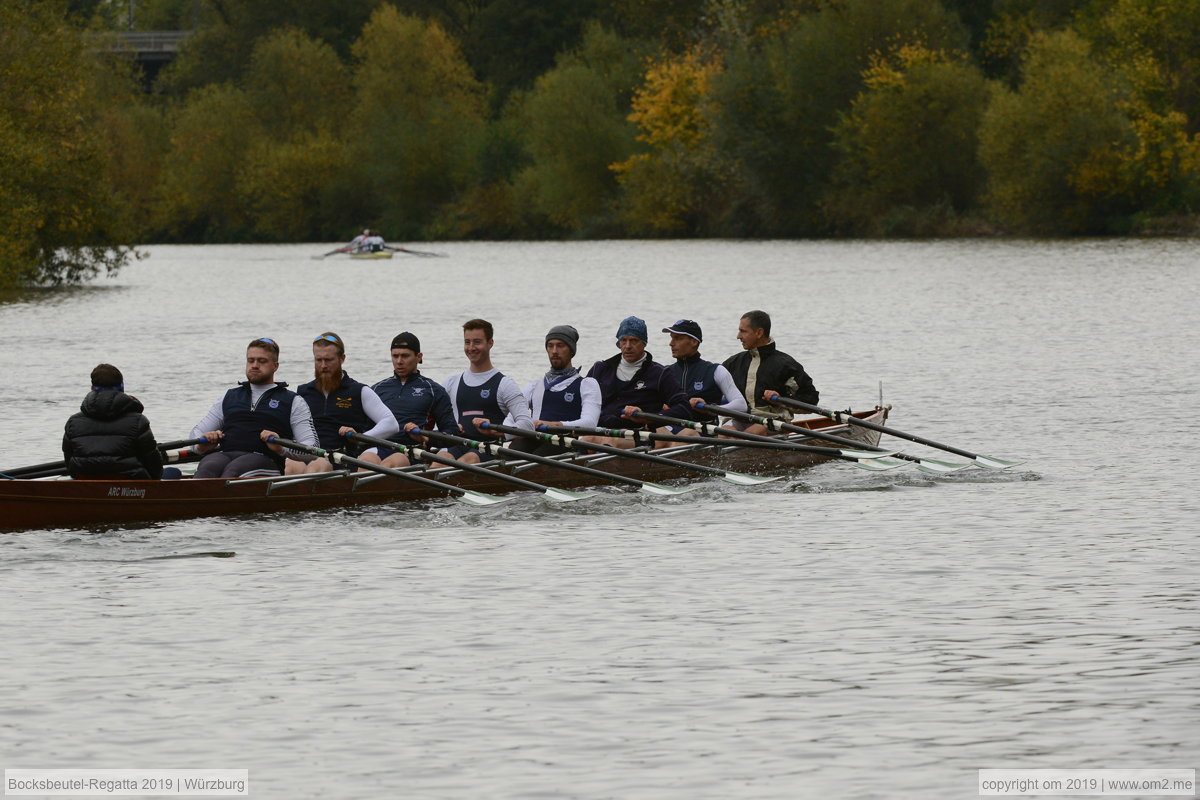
924	464
51	468
342	249
424	253
558	495
465	495
987	462
497	449
876	459
575	444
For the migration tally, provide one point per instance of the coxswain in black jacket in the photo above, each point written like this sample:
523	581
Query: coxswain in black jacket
111	438
766	367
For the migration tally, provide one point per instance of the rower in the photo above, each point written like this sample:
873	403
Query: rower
372	244
761	370
483	393
562	396
702	381
633	381
109	437
356	244
339	405
248	416
414	401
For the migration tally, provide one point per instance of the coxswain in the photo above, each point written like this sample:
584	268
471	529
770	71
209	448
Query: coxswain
702	381
762	371
632	381
245	419
110	437
339	405
483	393
414	401
562	396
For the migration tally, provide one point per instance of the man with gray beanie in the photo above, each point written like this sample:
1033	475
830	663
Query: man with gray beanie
562	396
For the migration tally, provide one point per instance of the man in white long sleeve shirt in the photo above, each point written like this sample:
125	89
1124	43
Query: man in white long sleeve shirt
482	392
339	405
248	415
562	396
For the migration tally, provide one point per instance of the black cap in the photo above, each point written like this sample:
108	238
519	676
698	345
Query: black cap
408	341
686	327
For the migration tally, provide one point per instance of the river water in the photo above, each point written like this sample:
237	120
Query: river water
838	634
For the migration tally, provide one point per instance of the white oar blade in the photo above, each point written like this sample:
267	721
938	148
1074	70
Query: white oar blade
658	490
563	496
988	462
861	454
879	464
481	499
939	467
747	480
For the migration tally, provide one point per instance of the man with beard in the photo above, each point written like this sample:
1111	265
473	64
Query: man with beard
562	396
339	405
110	437
762	371
482	392
414	401
248	415
633	381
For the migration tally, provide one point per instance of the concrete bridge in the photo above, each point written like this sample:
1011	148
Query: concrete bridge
151	49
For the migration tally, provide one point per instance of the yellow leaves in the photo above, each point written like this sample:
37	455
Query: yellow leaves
669	106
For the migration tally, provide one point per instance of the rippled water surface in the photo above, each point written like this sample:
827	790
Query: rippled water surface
837	634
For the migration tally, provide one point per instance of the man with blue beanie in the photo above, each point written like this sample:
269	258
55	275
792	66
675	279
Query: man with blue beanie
633	381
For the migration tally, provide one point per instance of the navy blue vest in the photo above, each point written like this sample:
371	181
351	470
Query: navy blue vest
242	425
562	405
343	406
699	379
481	400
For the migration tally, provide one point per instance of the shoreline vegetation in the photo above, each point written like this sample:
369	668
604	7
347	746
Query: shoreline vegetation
583	119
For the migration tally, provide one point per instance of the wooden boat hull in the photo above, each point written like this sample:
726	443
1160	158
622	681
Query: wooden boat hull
33	504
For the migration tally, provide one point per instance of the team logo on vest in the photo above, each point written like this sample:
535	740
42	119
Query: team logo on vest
698	385
274	404
485	394
640	385
568	396
418	391
344	402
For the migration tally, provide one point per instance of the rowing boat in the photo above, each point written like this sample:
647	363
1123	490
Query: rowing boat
375	254
65	503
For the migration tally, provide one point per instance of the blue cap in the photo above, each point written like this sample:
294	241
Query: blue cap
633	326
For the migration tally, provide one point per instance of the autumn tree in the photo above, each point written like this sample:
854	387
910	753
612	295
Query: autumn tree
58	221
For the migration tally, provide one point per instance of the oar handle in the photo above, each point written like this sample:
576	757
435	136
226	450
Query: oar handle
342	458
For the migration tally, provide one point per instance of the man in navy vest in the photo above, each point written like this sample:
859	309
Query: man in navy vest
633	381
482	392
248	415
339	405
702	381
414	401
562	396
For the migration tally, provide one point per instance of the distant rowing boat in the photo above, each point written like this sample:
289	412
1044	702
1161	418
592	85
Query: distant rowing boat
375	254
34	504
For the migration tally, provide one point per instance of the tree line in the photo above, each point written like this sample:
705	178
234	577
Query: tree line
305	120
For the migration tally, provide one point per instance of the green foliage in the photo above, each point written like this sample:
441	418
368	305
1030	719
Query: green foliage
779	101
417	123
297	84
909	141
1039	142
58	221
576	128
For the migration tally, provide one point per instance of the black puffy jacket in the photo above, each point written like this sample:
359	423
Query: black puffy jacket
110	437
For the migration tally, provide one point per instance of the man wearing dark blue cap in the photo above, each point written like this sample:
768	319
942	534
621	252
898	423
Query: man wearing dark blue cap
633	381
702	381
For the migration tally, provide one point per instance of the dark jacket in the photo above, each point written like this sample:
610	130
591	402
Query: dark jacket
775	370
110	437
652	387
